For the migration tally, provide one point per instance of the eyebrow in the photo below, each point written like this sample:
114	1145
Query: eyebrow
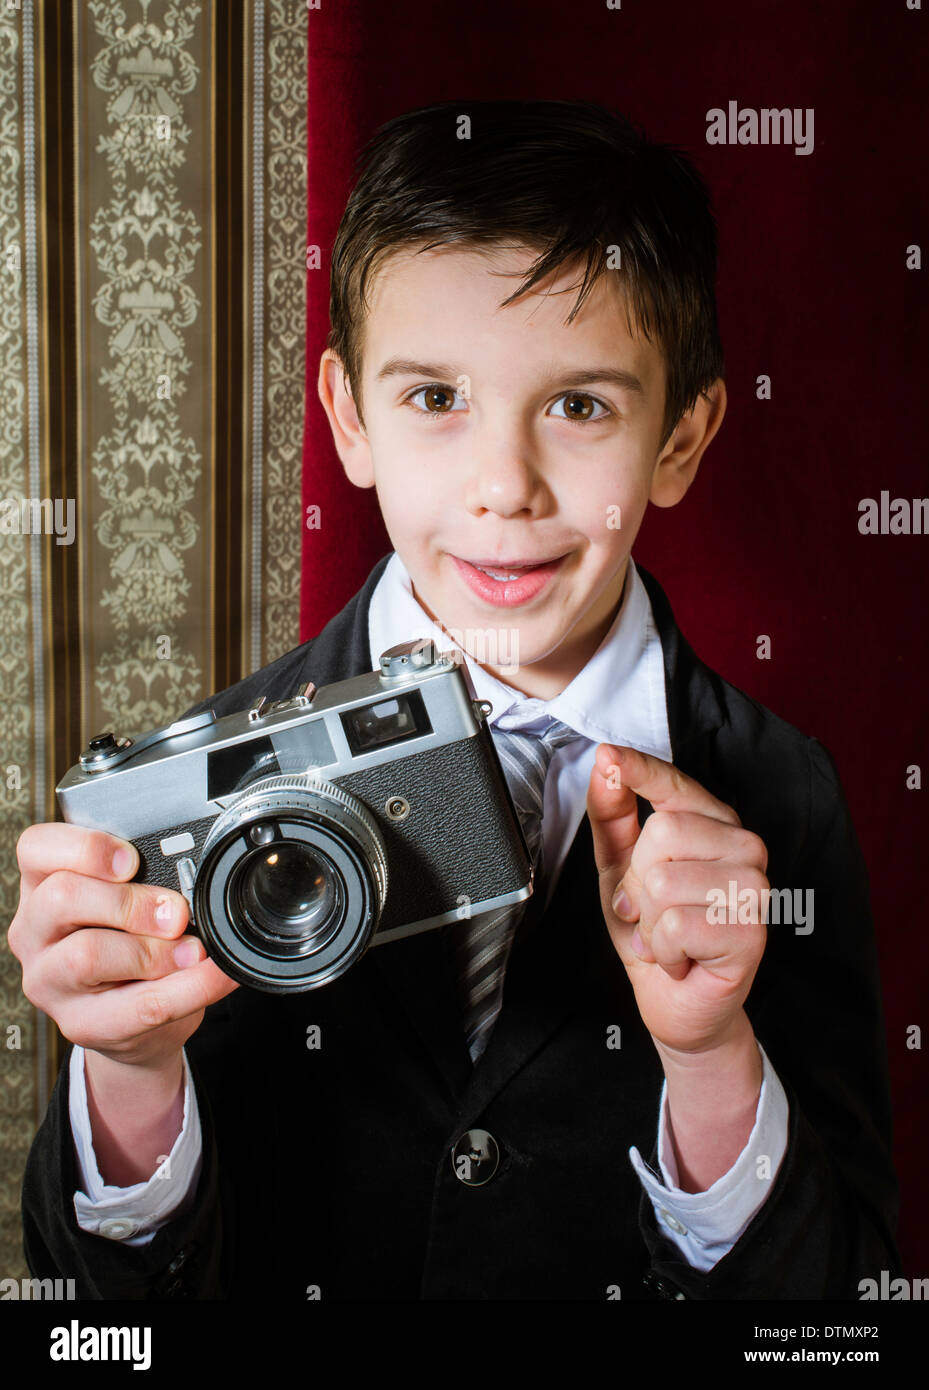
571	377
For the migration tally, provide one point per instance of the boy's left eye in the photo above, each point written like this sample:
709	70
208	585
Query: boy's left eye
587	405
439	401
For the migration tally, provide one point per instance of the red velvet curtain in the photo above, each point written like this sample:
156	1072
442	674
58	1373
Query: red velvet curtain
814	292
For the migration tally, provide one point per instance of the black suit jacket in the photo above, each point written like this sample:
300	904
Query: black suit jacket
331	1166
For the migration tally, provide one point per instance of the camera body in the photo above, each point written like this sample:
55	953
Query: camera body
304	830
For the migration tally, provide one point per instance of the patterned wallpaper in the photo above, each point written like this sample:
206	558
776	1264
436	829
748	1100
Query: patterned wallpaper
152	280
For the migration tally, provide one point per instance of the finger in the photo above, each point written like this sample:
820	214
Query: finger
66	900
99	958
43	848
704	885
665	787
128	1011
613	813
682	938
681	837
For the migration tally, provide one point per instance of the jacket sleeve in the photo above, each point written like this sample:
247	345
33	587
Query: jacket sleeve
187	1258
829	1220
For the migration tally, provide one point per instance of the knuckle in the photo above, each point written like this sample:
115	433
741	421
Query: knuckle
14	935
657	881
148	957
132	906
673	922
59	893
756	880
153	1010
660	826
32	987
756	849
80	958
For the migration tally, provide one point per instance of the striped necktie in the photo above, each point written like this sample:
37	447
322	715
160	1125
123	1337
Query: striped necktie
482	943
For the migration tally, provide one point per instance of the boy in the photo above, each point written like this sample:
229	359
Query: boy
464	1113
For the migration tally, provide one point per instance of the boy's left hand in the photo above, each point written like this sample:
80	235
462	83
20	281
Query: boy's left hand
690	975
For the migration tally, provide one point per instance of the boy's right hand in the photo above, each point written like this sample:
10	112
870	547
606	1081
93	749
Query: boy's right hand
96	958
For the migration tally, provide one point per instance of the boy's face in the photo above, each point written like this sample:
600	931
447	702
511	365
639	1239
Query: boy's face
497	439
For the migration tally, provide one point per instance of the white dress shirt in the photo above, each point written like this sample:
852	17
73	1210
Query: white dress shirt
618	697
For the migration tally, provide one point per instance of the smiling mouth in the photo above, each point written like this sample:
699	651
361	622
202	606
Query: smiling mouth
510	583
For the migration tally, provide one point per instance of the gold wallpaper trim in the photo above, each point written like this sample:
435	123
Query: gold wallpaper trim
144	350
284	286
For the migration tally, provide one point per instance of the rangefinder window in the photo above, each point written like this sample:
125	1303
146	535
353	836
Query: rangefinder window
386	722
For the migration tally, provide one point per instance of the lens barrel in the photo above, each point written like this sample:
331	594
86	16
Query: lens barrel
291	884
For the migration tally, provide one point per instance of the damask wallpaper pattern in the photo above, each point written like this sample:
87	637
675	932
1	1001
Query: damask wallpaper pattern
152	279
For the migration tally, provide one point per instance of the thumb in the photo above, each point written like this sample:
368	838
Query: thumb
614	821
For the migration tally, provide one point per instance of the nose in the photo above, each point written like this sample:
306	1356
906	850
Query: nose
505	479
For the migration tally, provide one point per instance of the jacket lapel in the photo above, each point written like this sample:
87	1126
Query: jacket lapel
547	977
694	694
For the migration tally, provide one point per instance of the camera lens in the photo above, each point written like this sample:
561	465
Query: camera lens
287	891
291	884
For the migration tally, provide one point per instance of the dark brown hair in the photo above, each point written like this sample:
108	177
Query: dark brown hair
570	180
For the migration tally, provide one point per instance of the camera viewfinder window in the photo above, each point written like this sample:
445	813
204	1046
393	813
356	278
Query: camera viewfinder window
386	722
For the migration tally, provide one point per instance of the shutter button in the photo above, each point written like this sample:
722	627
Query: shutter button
475	1158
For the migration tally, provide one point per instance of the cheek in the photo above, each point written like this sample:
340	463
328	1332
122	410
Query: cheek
610	514
408	502
420	484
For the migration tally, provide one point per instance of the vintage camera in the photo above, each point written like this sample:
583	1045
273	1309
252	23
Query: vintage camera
305	830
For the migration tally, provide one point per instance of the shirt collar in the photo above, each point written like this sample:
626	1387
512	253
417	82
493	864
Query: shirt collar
618	697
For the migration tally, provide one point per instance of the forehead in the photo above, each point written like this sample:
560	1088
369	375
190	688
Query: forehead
453	294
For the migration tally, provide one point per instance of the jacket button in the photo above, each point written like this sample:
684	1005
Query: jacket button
661	1288
475	1158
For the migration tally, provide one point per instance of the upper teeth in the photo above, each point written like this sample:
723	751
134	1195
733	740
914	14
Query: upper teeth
498	574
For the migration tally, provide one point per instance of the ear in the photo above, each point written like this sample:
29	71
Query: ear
348	433
676	466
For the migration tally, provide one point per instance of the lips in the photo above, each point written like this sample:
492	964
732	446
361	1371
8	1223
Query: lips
507	583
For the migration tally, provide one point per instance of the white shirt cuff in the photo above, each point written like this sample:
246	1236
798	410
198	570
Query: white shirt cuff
706	1225
133	1215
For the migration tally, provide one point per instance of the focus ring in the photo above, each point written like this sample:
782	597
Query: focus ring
270	795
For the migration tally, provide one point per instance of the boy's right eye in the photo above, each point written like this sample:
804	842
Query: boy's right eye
438	399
